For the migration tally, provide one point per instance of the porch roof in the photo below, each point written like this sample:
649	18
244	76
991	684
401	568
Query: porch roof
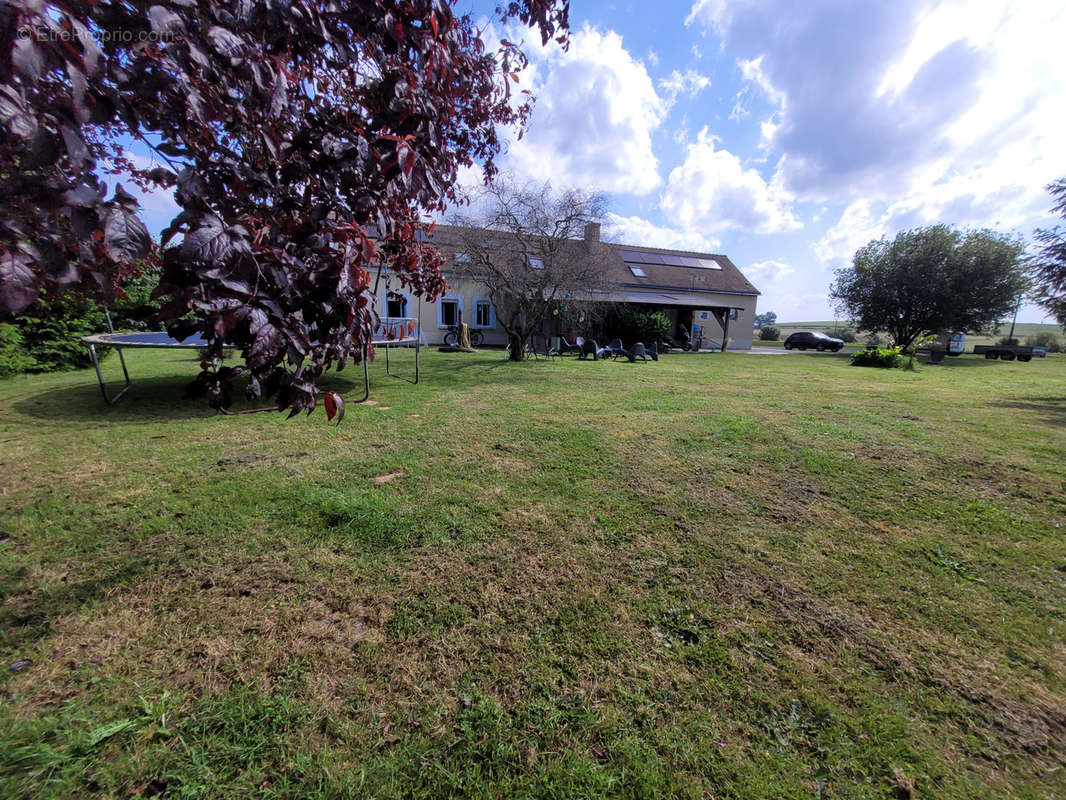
665	298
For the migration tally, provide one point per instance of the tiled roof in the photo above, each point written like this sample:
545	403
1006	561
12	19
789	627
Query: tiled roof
726	279
700	279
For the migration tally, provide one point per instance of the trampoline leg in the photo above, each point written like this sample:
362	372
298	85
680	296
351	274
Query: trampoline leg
418	336
100	376
366	377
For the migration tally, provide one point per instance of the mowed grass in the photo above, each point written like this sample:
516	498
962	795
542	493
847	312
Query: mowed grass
723	575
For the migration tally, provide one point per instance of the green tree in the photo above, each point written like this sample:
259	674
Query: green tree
769	318
1049	266
932	280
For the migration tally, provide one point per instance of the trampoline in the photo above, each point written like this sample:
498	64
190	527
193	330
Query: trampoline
391	332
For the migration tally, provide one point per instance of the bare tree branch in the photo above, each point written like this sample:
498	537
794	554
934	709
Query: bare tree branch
520	225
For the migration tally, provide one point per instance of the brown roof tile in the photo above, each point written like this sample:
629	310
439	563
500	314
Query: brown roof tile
728	279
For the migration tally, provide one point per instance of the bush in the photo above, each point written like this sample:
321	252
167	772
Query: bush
1007	341
50	333
47	336
1047	340
885	357
137	310
875	340
638	327
769	333
14	359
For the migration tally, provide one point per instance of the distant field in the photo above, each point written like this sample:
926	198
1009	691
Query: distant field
1021	330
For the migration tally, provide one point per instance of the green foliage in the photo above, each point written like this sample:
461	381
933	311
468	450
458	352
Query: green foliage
762	320
769	333
885	357
1047	340
51	333
1049	266
14	358
635	326
1008	341
47	336
930	280
137	311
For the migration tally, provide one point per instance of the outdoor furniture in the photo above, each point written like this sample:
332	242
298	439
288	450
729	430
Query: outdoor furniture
589	348
637	351
566	347
538	347
613	349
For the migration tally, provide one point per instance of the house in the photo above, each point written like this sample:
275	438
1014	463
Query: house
704	292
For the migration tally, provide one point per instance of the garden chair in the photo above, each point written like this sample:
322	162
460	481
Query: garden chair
539	346
613	349
635	352
566	347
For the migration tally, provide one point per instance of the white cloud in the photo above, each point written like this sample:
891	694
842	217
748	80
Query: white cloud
947	102
709	12
752	71
854	229
998	196
678	83
639	231
765	272
593	120
712	191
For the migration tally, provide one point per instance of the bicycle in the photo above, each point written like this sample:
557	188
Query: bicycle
451	338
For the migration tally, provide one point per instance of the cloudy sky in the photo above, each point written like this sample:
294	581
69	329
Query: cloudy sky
787	135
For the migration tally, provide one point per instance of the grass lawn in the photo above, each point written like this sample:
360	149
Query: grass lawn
726	576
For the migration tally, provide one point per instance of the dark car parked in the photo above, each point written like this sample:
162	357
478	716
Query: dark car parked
815	340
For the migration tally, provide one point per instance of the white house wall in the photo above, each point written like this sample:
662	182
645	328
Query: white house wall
740	330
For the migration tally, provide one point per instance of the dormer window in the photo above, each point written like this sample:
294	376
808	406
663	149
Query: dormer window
637	271
536	263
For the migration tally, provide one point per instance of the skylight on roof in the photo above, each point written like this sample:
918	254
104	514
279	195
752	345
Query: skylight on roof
536	263
637	271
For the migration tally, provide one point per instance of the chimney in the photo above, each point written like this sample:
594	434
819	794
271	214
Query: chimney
592	235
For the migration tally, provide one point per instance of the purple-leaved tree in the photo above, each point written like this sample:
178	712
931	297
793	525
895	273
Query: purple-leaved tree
305	140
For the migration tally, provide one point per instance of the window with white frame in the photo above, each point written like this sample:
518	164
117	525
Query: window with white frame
536	263
484	317
733	315
449	312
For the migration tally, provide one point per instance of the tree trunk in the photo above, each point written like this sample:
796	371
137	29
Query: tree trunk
518	348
